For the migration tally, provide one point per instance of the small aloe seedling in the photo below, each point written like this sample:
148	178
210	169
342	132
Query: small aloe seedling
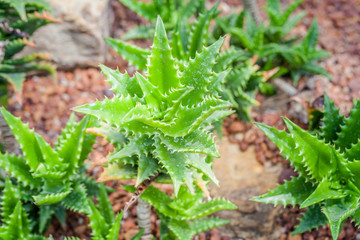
169	11
301	58
165	116
18	20
328	165
185	215
49	175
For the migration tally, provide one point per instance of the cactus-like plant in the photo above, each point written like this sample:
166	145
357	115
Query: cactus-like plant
18	20
270	44
165	116
328	165
185	215
169	11
47	175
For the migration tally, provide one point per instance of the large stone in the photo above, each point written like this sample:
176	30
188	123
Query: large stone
242	177
78	41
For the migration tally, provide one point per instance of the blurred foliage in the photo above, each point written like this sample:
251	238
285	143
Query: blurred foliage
270	43
18	21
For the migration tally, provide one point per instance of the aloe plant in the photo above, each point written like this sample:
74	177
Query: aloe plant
301	58
165	116
270	43
160	123
18	20
52	178
169	11
328	166
184	216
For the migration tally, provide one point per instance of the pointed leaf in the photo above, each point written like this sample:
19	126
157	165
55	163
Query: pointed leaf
199	141
115	228
311	219
316	154
148	166
10	199
122	83
323	191
161	71
110	111
337	211
26	139
332	120
175	164
104	205
291	192
134	55
350	131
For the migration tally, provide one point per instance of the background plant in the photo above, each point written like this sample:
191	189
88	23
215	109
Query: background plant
328	166
165	118
52	178
169	11
239	86
270	43
18	21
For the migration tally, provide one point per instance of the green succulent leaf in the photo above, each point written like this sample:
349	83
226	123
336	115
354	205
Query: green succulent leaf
291	192
98	224
161	71
320	164
77	199
134	55
311	219
10	199
104	206
115	228
332	121
148	166
338	210
350	131
147	11
175	164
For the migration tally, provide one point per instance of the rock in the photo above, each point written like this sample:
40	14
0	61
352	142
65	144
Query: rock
236	127
78	41
296	237
241	177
